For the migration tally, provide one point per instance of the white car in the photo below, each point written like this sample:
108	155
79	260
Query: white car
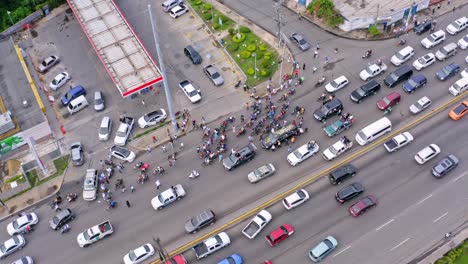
457	25
90	185
337	84
48	62
19	224
261	173
179	10
24	260
105	128
424	61
464	73
463	42
152	118
402	56
433	39
139	254
122	153
302	153
59	80
99	101
427	153
466	59
11	245
420	105
295	199
189	90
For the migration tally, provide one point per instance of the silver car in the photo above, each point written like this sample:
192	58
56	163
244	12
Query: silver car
98	101
214	75
261	173
77	154
299	40
204	219
11	245
47	63
420	105
319	252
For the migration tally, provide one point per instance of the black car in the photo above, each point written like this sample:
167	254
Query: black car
423	27
193	55
349	192
63	217
342	173
444	166
364	91
333	107
279	135
204	219
448	71
238	158
399	75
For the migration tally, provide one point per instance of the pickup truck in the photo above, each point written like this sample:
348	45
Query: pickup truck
168	196
125	127
398	141
372	70
211	245
257	224
337	149
94	234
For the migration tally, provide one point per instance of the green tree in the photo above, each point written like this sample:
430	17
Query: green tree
374	31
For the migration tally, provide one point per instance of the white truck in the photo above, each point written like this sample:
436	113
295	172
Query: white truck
372	70
94	234
398	141
168	196
257	224
337	149
211	245
125	127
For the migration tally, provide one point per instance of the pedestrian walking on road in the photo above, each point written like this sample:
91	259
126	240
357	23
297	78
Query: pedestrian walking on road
149	149
171	141
315	54
303	66
128	203
317	46
181	145
234	129
102	163
157	183
132	188
220	157
289	149
163	147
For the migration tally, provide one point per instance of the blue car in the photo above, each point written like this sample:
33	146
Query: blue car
448	71
414	83
73	93
233	259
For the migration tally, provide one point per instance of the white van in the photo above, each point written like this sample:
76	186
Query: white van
459	86
77	104
373	131
169	4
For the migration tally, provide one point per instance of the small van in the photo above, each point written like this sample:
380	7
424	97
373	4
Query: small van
373	131
399	75
457	25
77	104
459	86
169	4
193	55
72	94
446	51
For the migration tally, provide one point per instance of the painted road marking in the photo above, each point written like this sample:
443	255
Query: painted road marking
344	249
404	241
382	226
420	202
440	217
461	176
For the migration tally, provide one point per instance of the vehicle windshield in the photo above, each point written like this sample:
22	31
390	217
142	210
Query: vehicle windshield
362	135
324	109
214	74
334	84
298	154
55	220
89	185
333	150
302	41
271	138
98	101
369	70
132	256
103	130
161	198
15	224
422	60
355	208
386	101
192	93
120	134
431	38
455	25
334	126
465	38
194	221
233	158
86	235
443	51
55	81
2	248
418	105
393	77
456	86
360	91
400	56
459	109
447	70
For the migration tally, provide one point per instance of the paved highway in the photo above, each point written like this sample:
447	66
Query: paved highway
229	194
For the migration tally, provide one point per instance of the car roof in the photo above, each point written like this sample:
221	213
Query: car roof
393	95
333	103
424	100
418	78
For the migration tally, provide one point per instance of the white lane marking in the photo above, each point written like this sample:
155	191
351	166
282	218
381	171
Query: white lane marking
461	176
404	241
420	202
440	217
344	249
382	226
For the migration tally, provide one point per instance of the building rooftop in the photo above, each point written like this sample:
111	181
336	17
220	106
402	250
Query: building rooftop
353	9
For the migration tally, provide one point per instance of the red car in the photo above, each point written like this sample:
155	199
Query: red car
390	100
279	234
363	205
179	259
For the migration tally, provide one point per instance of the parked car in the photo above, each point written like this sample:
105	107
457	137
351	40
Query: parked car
448	71
363	205
200	221
61	218
179	10
24	260
295	199
233	259
420	105
90	185
48	63
303	152
77	154
99	101
414	83
299	40
193	55
464	73
427	153
19	224
463	42
139	254
105	128
11	245
444	166
337	84
349	192
189	90
59	80
459	111
424	61
122	153
73	93
179	259
279	234
214	75
261	173
152	118
389	100
324	248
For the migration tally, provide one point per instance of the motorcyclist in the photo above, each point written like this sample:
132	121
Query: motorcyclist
402	41
321	80
194	174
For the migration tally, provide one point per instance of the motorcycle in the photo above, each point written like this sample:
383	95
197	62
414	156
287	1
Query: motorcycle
142	178
138	165
158	170
194	174
65	229
241	132
367	54
320	81
387	111
118	184
71	197
402	42
322	97
291	91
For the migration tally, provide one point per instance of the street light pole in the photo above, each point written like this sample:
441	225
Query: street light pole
255	64
8	12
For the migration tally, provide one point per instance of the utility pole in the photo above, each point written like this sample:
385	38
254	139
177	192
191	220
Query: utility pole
278	8
162	67
163	256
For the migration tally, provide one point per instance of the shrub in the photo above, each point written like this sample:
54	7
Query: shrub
265	73
216	26
251	48
267	56
246	54
223	18
207	7
262	47
244	29
233	47
207	16
231	31
198	2
374	31
250	71
266	64
238	40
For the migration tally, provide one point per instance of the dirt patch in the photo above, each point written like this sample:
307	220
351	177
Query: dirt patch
30	201
51	189
11	167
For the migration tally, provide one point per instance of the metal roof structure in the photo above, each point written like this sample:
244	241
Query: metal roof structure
123	55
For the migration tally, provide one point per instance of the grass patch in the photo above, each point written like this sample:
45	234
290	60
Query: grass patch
32	177
458	255
18	178
211	16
